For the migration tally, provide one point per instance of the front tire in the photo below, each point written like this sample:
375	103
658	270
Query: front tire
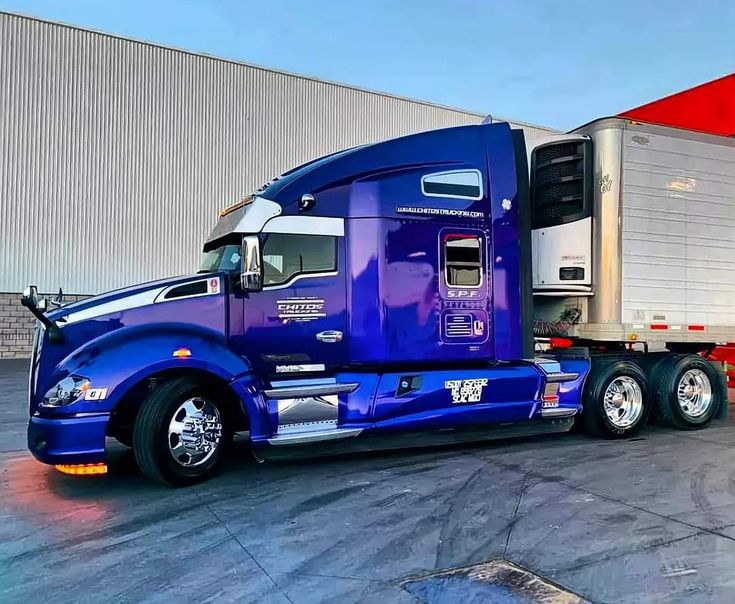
180	433
616	403
688	393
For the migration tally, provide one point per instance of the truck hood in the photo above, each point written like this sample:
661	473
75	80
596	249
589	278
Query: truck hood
156	311
122	299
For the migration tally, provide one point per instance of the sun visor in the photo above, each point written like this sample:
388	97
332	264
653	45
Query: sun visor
245	217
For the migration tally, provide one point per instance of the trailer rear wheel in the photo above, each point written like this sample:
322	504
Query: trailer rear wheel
180	433
616	399
686	391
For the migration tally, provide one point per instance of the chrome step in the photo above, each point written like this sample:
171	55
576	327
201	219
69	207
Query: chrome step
556	412
560	376
305	390
311	436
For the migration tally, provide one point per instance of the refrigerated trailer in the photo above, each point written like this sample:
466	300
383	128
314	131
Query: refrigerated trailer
644	250
388	295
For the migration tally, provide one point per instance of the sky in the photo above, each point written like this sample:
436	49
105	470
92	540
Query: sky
557	63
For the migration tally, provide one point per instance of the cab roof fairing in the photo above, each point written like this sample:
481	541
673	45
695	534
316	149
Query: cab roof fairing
442	146
434	147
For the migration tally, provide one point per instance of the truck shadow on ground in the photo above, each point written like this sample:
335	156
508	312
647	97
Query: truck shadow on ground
240	468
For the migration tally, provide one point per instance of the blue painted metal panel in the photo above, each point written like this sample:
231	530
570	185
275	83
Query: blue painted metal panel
391	299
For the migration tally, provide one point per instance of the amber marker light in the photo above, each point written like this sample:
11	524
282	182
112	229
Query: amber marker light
182	353
82	469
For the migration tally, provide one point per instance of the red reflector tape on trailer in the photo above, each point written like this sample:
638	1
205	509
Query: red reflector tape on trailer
659	326
696	328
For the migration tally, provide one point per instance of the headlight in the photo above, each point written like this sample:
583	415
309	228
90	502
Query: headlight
67	391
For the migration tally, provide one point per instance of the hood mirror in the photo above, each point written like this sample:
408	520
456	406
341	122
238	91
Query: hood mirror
29	299
251	277
30	295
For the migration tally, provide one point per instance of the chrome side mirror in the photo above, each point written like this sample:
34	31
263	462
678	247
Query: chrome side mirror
251	277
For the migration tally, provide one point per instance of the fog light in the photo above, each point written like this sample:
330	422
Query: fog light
82	469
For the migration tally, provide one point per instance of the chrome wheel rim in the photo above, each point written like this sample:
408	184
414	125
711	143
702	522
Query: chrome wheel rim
194	432
694	393
623	402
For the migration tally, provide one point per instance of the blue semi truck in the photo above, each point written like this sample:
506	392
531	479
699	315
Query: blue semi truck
378	297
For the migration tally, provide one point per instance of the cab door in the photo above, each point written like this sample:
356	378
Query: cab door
298	322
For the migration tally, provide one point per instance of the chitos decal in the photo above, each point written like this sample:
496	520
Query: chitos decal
300	309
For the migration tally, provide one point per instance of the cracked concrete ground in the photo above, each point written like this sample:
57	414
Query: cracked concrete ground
652	519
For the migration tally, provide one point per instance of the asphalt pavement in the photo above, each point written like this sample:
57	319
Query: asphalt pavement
651	519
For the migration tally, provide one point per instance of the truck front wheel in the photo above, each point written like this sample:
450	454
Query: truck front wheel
686	391
615	404
180	433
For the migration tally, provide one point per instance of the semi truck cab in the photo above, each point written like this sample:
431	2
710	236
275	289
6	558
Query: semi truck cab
375	298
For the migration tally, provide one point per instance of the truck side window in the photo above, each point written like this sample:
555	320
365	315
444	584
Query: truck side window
460	184
286	256
462	261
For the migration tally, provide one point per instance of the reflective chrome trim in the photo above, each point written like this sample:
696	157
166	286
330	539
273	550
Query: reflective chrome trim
318	425
623	402
256	215
295	278
455	177
299	414
194	432
310	390
330	336
298	368
306	225
126	303
558	412
547	365
562	294
313	436
249	219
552	378
694	393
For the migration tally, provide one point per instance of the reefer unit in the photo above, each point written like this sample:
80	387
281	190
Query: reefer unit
644	249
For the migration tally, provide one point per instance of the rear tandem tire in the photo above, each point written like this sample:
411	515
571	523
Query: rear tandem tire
623	384
687	391
181	406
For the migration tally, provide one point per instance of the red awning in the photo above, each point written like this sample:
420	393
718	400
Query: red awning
708	108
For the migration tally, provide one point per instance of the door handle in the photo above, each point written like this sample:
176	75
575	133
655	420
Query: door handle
330	336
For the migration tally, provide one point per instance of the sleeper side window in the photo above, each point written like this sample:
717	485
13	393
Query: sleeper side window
286	256
463	260
460	184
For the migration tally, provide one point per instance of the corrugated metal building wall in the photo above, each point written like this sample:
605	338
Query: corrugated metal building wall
116	155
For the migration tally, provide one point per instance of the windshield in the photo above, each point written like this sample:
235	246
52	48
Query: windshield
223	258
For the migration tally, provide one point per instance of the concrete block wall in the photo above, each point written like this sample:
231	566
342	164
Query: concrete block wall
17	325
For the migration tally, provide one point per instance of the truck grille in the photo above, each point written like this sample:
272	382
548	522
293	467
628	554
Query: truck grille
561	183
